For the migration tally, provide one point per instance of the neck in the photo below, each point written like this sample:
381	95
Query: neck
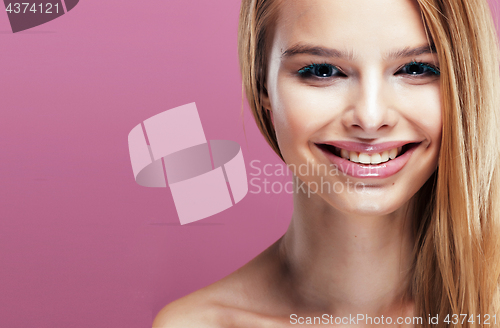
345	263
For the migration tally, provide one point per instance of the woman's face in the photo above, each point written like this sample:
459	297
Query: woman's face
353	82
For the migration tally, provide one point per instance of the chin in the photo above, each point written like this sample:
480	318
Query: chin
366	204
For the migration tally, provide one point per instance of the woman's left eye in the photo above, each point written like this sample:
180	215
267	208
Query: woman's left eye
419	69
318	70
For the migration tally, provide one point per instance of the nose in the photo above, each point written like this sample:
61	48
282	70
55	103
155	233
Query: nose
370	113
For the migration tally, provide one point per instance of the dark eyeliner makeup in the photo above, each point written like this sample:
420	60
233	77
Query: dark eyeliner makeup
412	69
422	68
318	70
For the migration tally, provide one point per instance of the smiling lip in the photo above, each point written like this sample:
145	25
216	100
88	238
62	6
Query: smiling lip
358	170
367	148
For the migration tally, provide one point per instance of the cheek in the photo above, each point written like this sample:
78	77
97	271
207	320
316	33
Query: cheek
291	111
294	120
430	115
299	112
421	108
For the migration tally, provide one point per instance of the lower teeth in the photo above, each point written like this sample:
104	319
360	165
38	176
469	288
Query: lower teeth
371	163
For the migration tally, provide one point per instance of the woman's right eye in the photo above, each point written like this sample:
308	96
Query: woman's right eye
319	71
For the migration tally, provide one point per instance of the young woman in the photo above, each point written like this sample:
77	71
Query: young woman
392	106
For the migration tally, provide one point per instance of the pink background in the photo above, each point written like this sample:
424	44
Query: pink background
81	244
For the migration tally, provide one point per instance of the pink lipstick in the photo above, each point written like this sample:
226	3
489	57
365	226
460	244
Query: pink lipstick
360	160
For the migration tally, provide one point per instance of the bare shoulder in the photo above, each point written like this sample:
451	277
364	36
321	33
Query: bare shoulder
177	315
212	306
188	312
245	298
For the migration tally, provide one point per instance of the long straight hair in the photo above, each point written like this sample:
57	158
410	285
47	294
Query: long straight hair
457	251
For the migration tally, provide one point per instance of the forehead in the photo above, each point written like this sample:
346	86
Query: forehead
355	26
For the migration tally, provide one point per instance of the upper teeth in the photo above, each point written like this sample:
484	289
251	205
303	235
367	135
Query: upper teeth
364	158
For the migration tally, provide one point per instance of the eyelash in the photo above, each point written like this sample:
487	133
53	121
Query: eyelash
308	71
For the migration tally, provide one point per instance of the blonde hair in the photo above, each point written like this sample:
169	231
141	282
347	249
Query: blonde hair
257	18
457	249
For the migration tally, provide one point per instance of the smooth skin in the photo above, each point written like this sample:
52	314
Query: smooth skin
344	252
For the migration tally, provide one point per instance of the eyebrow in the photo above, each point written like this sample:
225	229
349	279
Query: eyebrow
329	52
411	52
